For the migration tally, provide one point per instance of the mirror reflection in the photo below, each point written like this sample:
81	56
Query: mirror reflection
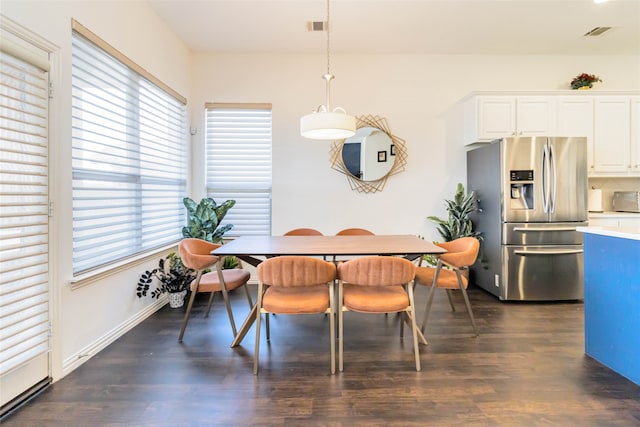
369	154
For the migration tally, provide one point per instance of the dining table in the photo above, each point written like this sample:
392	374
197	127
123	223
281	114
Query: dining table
254	249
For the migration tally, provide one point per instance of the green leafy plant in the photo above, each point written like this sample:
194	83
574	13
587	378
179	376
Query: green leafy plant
204	223
172	277
205	218
458	223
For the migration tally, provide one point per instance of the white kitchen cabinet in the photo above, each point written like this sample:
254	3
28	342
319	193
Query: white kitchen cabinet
635	135
575	118
629	222
614	219
492	117
612	135
603	222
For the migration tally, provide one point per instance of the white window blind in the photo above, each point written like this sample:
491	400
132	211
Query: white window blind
129	159
24	216
238	139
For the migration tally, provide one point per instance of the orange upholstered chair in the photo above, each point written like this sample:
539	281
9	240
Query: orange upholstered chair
354	232
461	253
376	284
196	254
295	285
303	232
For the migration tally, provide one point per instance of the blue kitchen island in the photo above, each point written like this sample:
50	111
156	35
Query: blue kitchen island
612	298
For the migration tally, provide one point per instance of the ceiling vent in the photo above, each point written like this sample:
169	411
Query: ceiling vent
597	31
317	26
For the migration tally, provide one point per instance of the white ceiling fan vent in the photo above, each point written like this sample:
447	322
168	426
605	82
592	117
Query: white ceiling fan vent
317	26
597	31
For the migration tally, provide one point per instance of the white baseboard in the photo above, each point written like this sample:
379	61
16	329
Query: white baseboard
94	348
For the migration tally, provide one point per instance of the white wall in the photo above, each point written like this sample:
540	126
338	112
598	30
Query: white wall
86	319
415	93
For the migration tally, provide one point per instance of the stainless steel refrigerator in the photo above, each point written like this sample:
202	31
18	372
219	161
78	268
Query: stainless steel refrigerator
532	194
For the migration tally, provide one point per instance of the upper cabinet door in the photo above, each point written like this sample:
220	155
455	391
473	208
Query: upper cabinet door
575	118
496	117
493	117
612	134
535	116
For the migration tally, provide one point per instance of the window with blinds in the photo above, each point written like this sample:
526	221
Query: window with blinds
129	157
238	165
24	221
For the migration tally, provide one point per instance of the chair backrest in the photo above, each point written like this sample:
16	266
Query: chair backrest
461	252
303	232
354	232
294	271
377	271
196	253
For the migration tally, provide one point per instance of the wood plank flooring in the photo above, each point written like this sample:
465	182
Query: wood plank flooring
527	368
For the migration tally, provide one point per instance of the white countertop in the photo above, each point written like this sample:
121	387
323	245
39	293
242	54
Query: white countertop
620	232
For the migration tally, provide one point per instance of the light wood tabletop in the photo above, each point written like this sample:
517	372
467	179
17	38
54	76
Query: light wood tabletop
403	244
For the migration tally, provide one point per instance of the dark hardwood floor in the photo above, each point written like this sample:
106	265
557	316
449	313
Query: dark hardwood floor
527	368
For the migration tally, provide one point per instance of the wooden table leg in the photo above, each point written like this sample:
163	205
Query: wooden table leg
421	337
248	322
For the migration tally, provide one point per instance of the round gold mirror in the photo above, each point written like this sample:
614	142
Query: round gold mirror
370	156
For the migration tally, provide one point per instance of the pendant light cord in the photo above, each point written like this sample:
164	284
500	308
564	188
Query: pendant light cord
328	76
328	41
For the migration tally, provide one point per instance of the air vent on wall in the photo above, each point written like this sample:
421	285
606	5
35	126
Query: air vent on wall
597	31
316	25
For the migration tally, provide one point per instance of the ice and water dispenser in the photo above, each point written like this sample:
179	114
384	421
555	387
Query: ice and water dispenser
521	186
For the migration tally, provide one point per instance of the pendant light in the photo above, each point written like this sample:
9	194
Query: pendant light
325	123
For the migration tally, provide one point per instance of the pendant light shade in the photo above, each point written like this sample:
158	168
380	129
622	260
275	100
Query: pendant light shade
325	123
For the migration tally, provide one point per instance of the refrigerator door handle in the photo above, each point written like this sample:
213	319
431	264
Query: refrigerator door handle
544	229
549	252
545	179
553	180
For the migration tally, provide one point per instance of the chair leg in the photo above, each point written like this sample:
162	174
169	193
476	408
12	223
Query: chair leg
340	327
412	313
450	298
187	314
467	303
246	290
266	322
434	285
213	294
332	328
225	295
256	351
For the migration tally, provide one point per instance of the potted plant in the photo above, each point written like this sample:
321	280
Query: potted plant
457	224
173	278
584	81
204	223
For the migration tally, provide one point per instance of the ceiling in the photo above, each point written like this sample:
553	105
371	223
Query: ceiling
405	27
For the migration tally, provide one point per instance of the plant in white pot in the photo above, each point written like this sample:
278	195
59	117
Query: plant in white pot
173	278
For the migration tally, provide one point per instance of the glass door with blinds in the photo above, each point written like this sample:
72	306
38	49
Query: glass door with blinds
24	225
